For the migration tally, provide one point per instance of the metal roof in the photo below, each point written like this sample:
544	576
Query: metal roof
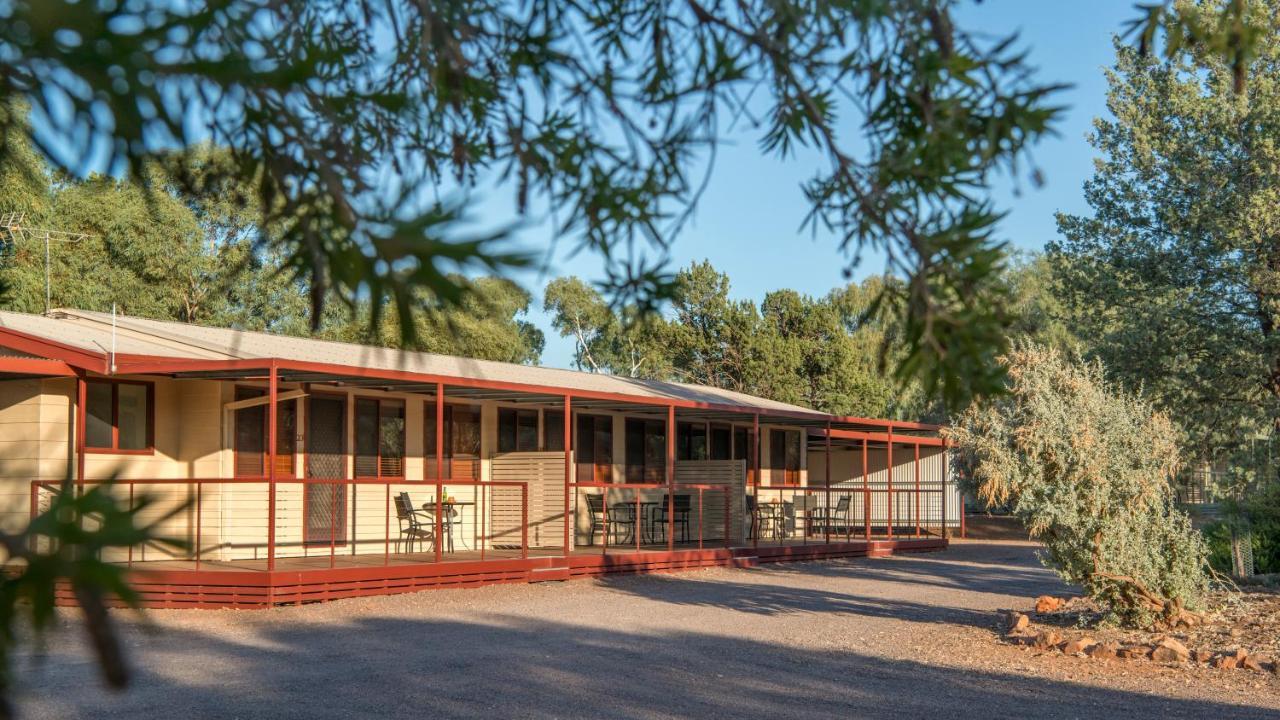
91	332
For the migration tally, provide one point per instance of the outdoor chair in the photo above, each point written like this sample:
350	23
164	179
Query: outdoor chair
766	519
683	506
831	518
621	517
414	524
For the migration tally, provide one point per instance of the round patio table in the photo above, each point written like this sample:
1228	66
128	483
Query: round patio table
446	519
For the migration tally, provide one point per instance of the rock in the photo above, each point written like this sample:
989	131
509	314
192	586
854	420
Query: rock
1225	662
1134	652
1047	639
1235	632
1079	645
1047	604
1103	651
1016	623
1170	650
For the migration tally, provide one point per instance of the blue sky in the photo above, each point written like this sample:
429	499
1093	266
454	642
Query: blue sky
748	222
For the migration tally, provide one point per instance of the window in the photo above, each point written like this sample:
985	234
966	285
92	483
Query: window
461	450
742	445
784	456
646	451
251	436
517	430
379	438
721	442
118	416
593	449
553	430
691	441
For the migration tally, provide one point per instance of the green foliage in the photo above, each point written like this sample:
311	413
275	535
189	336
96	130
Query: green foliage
1087	466
1259	516
64	546
826	353
485	324
188	255
603	111
1172	278
625	342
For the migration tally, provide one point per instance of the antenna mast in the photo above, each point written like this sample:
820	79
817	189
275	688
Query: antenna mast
14	225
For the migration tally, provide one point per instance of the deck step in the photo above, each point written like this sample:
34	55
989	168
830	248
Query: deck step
551	574
745	561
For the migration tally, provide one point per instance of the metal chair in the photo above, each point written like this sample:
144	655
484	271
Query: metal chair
414	524
683	507
621	516
766	519
826	518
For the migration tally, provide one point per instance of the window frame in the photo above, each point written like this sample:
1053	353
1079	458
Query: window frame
725	431
115	448
380	404
249	392
686	434
778	464
552	427
430	474
587	461
651	432
519	414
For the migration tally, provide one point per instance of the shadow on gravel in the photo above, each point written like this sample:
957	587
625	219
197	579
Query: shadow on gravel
770	599
994	568
510	666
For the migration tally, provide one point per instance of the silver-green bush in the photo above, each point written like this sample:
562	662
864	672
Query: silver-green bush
1087	467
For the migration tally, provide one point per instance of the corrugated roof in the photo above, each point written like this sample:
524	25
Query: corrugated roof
92	332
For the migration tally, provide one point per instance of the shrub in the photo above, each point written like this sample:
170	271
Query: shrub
1087	467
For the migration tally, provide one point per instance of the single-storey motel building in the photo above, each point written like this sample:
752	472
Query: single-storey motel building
299	470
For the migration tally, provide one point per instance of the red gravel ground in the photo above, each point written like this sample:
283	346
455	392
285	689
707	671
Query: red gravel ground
905	637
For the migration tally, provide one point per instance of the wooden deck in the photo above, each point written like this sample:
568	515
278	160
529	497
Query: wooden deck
297	580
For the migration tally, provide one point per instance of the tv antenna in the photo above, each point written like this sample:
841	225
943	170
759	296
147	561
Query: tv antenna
14	225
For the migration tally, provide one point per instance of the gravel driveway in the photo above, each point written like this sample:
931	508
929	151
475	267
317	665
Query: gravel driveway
901	637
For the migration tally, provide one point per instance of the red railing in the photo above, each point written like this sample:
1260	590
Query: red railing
644	516
791	513
227	522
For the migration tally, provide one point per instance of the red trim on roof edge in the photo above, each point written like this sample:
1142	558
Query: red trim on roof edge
53	350
36	366
899	440
145	364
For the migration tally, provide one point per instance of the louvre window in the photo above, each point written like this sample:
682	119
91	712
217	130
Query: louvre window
379	438
461	450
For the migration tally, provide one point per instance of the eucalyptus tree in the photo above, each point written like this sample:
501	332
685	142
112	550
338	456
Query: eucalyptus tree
363	125
347	117
619	340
